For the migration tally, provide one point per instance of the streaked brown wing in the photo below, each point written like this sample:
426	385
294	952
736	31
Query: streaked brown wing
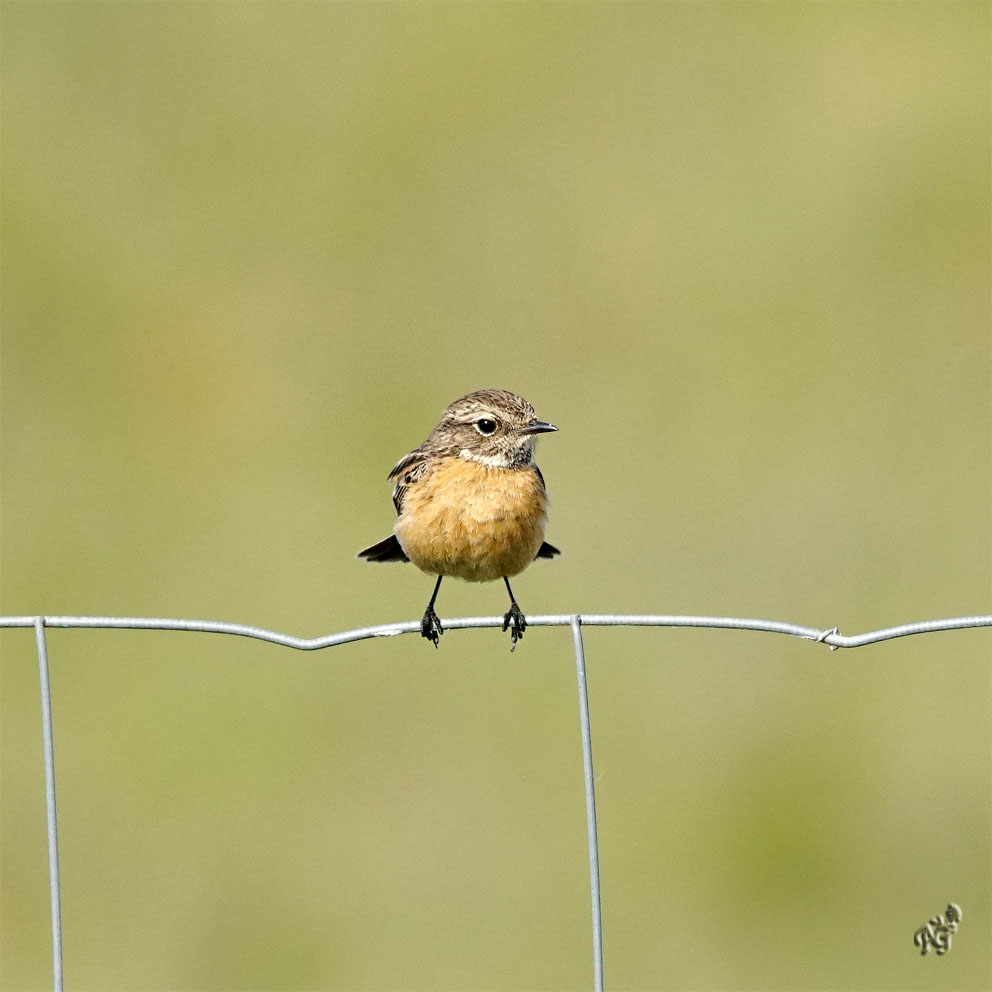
545	550
407	470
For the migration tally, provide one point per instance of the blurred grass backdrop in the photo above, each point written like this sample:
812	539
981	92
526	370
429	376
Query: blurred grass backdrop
738	253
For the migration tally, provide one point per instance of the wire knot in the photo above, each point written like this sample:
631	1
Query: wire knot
821	638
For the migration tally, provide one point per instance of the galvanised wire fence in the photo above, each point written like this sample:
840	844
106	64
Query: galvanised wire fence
576	621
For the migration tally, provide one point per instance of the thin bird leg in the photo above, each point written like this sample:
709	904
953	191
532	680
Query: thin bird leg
514	618
430	625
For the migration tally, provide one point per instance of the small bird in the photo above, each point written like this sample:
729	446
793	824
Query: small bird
471	502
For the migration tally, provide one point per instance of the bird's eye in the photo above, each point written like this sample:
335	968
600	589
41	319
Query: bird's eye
485	426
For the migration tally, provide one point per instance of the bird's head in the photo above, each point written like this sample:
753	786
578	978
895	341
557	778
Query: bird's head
490	426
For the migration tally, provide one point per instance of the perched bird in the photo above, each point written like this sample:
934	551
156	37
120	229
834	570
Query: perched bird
470	502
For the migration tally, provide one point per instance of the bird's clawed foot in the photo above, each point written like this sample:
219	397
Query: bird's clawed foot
430	626
515	620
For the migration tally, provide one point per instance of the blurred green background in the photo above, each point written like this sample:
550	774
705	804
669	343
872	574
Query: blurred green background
738	253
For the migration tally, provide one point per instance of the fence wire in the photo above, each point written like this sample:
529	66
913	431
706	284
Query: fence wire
576	621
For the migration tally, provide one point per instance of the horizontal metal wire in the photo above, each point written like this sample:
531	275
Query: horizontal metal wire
830	636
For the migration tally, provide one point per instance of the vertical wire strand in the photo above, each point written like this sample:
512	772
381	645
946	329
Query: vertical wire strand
53	833
593	838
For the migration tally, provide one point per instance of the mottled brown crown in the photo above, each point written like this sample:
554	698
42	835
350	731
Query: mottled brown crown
512	409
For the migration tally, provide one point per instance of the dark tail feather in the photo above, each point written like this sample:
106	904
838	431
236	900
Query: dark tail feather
388	550
546	551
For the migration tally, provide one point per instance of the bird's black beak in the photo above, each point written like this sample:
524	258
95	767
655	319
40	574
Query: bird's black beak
536	427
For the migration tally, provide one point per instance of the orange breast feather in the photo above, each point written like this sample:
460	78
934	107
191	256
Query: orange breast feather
473	522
